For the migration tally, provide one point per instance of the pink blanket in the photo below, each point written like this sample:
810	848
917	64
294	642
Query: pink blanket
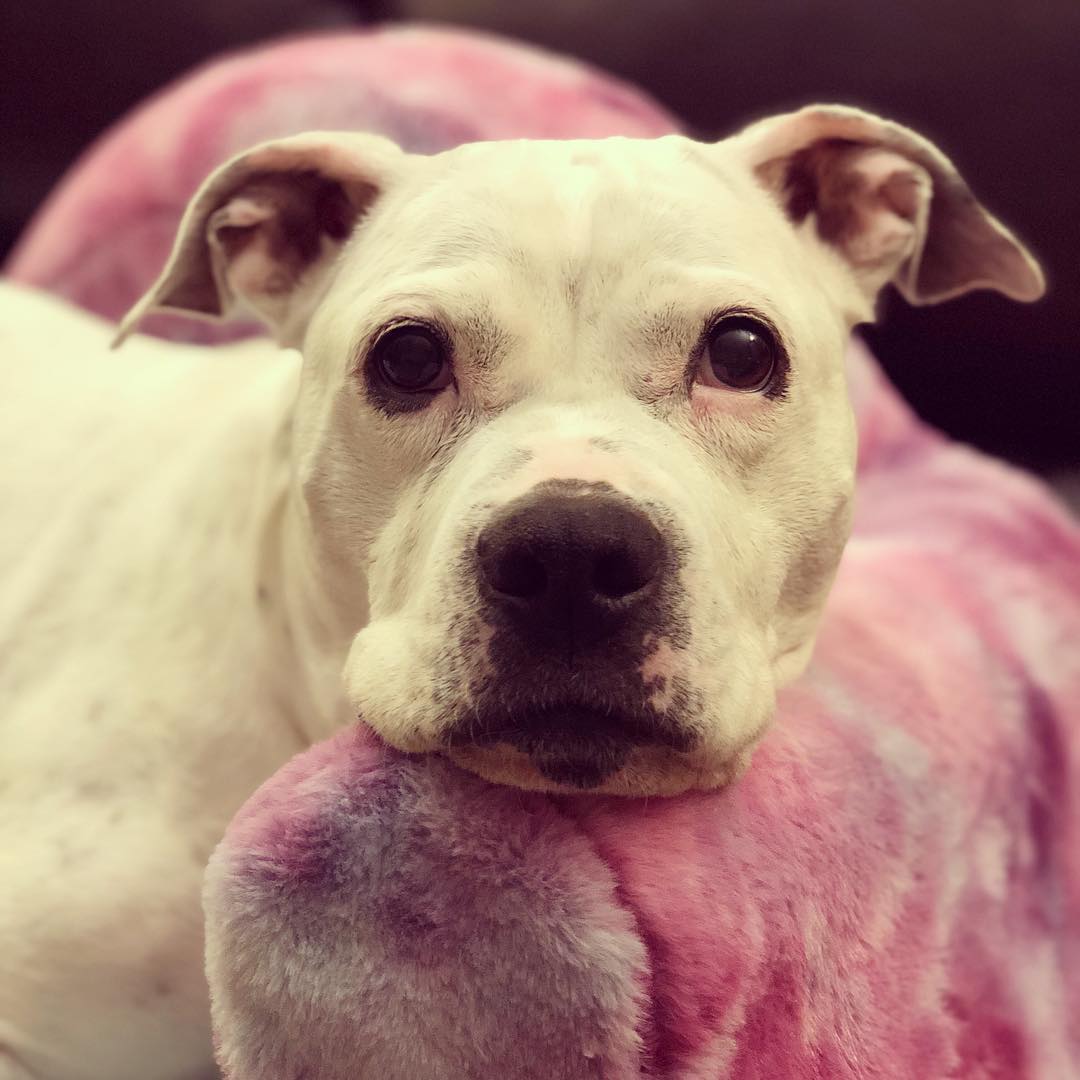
893	889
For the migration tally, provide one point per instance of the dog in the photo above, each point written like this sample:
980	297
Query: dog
557	489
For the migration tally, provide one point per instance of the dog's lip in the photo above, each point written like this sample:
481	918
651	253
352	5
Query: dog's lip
574	746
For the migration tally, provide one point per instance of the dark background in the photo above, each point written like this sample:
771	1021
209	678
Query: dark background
996	83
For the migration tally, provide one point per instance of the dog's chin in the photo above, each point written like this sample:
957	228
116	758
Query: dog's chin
583	768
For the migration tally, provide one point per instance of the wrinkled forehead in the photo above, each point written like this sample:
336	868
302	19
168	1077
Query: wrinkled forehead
586	253
574	210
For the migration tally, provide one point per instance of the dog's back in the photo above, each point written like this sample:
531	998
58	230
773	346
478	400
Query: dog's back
135	490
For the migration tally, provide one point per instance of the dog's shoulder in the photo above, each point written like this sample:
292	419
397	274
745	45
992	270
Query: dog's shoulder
86	430
136	484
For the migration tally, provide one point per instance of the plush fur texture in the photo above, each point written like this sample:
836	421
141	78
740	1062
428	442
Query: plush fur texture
892	890
402	895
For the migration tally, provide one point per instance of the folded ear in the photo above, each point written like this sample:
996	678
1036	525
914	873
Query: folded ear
890	202
264	230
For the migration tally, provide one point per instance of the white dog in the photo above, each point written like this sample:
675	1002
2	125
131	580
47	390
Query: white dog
561	483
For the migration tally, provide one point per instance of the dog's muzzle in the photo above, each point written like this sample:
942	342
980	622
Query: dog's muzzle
577	584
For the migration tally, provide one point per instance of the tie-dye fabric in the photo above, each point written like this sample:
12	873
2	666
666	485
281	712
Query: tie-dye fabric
892	890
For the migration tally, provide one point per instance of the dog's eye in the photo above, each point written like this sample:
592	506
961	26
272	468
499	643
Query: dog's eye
412	359
740	354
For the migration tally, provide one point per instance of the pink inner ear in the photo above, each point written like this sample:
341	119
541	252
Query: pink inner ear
873	204
241	235
232	228
267	235
906	191
894	213
254	271
241	212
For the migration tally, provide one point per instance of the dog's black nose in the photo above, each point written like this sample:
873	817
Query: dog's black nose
570	565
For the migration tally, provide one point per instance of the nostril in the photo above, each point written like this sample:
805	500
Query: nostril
623	571
514	571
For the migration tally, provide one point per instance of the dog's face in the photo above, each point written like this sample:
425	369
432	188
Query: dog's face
575	414
596	425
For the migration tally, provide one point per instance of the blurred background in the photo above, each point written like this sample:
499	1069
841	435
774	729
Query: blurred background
995	82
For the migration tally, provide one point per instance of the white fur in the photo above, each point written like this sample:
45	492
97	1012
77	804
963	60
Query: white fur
193	538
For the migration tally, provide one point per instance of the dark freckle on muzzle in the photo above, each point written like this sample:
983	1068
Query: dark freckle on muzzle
607	446
513	462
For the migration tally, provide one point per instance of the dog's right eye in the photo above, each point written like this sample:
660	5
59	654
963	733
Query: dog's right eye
412	359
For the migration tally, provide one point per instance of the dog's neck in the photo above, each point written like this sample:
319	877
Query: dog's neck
315	615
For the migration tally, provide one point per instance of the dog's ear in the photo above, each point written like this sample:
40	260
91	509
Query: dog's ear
889	202
264	231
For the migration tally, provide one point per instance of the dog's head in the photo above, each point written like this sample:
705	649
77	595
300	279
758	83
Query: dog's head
575	414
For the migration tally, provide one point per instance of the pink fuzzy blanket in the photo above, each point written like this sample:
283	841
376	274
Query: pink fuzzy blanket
892	890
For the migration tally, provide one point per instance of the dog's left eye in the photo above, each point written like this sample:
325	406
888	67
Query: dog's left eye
740	353
412	359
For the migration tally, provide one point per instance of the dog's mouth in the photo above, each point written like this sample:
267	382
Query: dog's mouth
570	743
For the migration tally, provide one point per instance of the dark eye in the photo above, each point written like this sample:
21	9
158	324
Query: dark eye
740	354
411	359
